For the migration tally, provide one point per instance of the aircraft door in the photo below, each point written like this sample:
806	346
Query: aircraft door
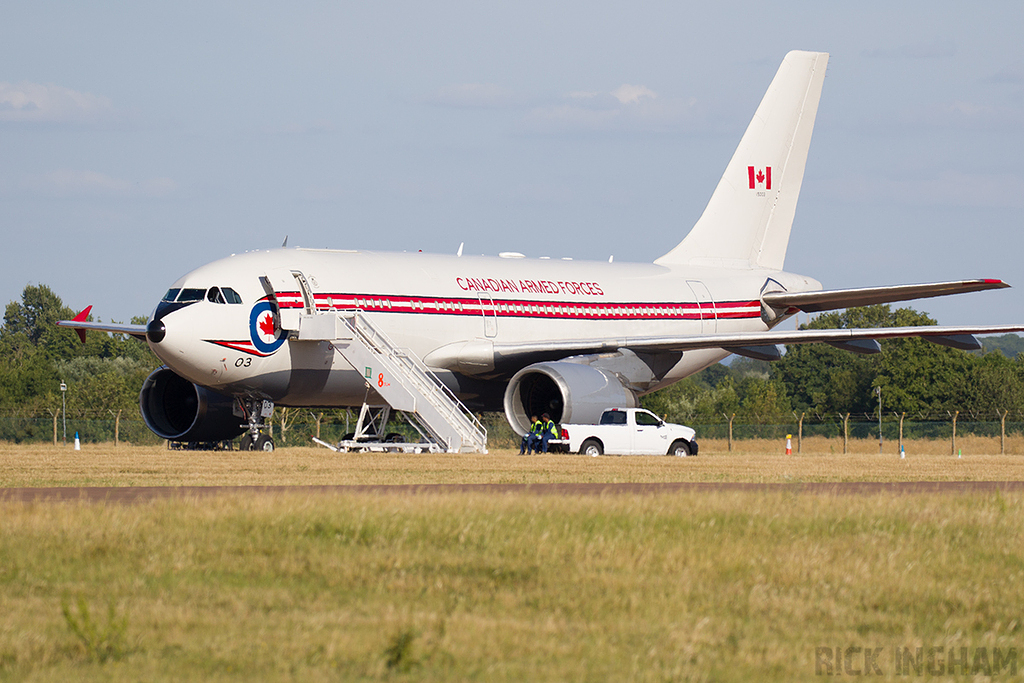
290	292
490	313
708	313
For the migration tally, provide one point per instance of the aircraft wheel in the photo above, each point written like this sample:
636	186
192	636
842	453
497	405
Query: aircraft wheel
591	447
680	448
246	443
264	443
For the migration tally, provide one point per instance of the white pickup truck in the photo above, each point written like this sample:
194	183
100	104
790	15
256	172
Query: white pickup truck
630	431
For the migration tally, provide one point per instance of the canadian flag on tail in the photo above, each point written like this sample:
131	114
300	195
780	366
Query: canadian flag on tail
760	177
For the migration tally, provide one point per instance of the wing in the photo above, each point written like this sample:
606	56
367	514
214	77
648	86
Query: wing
827	300
760	345
79	324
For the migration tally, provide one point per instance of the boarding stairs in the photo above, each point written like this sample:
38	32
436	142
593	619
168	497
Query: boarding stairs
400	378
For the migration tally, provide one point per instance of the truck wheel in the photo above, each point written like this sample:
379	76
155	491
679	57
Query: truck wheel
591	447
680	448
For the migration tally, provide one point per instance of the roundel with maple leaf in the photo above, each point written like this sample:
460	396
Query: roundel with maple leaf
262	330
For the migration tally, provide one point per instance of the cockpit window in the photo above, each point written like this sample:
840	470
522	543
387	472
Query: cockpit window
171	294
231	295
191	295
215	296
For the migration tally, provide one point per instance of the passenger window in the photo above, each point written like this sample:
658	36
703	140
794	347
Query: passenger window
231	296
214	296
191	295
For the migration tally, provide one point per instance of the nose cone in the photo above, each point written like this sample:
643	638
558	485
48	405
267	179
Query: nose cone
156	331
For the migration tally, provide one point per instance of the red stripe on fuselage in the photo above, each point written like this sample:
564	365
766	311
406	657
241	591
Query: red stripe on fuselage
529	308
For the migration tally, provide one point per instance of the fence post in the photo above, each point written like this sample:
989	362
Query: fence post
800	434
284	425
954	415
846	431
729	418
55	414
1002	431
902	415
117	426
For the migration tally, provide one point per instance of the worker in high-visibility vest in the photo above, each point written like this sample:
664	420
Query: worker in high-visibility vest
531	440
549	430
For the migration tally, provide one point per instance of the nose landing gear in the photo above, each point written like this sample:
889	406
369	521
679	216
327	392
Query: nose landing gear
255	411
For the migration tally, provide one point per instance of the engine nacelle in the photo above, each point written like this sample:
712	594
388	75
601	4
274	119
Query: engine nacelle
179	410
568	392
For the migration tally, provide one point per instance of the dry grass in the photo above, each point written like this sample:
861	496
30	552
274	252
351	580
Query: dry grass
721	586
104	465
470	587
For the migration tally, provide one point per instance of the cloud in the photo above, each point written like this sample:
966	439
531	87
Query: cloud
631	94
473	95
68	183
627	108
938	49
37	103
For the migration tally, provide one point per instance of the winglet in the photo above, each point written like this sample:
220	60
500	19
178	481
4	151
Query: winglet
80	318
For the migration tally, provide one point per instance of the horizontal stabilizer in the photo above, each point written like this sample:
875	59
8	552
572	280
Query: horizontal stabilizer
828	300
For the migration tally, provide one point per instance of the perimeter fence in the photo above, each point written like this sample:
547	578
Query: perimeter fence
924	429
135	432
300	426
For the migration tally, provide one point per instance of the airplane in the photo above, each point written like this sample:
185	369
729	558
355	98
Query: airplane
521	335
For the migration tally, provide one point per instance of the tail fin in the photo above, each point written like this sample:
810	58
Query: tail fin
747	222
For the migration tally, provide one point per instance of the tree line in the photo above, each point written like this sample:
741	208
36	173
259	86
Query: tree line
916	377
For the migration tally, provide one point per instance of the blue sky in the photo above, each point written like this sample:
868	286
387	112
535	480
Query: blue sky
141	140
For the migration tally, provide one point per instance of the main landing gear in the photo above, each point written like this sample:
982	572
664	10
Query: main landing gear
255	411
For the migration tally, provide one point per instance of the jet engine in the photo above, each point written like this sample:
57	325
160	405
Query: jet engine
179	410
567	391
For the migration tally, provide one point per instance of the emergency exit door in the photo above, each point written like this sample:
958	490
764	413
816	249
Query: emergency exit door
490	314
706	306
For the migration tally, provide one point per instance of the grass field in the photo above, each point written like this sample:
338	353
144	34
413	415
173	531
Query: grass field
756	461
721	586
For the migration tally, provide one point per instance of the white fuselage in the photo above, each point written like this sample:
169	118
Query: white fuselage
438	306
